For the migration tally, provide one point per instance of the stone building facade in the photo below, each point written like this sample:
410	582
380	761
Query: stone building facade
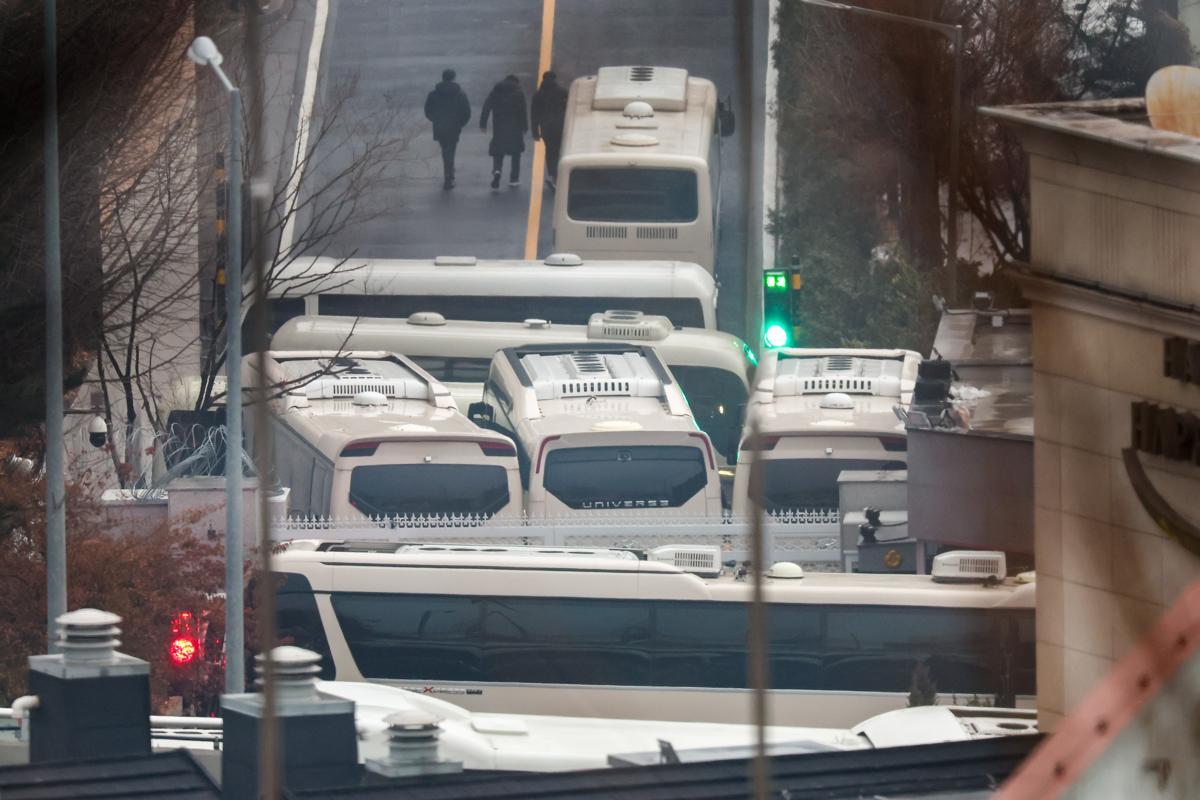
1114	280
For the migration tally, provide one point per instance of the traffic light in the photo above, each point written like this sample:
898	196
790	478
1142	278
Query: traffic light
778	325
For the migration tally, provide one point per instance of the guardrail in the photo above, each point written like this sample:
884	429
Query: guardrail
809	537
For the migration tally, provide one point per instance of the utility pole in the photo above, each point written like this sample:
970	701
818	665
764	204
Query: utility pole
56	521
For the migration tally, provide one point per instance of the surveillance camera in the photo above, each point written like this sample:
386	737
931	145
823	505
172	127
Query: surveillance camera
98	432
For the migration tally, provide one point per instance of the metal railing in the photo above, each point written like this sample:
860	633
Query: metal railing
809	537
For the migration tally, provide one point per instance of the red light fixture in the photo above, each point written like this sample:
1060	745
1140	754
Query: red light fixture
184	647
183	650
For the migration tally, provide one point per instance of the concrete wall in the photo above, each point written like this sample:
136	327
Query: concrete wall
971	490
1129	221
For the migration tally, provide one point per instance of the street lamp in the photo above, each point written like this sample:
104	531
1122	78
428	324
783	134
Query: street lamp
954	34
203	51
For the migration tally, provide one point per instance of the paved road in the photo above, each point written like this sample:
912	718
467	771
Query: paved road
395	52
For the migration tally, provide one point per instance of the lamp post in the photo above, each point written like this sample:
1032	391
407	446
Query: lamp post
204	52
954	34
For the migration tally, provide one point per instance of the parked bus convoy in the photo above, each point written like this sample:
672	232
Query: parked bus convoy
640	172
713	369
617	406
614	633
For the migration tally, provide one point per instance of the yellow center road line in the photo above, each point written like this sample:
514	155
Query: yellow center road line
533	224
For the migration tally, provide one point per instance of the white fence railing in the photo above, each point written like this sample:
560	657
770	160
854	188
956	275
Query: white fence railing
810	538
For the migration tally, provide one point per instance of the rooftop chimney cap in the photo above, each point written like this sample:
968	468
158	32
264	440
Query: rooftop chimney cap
411	718
88	636
295	671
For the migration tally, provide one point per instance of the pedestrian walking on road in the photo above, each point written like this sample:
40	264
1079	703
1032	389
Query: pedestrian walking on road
546	115
449	110
506	106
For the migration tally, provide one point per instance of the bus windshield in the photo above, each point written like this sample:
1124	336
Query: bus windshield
645	476
717	398
630	194
428	489
810	482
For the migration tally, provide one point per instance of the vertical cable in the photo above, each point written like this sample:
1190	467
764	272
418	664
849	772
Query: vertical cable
270	775
56	522
757	628
235	548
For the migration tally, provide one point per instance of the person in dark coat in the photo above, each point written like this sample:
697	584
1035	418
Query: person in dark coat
546	115
449	110
506	105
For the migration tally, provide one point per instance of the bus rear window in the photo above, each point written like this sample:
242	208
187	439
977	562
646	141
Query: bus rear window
628	194
625	477
428	489
810	482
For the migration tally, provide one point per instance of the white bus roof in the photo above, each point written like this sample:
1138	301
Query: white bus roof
832	391
675	116
580	572
433	335
332	399
571	388
558	276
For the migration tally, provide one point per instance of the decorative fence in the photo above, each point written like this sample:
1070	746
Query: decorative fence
811	538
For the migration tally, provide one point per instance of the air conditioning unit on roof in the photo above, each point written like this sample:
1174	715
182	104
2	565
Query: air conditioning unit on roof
664	88
969	566
838	373
699	559
628	326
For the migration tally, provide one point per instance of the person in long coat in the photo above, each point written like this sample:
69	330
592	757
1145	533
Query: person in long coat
547	113
449	110
506	106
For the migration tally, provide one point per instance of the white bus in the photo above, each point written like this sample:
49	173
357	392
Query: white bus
370	434
599	427
714	369
583	632
640	172
563	289
821	412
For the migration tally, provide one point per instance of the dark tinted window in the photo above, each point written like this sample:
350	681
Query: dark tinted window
685	311
428	489
298	621
810	482
685	643
717	399
568	641
625	477
466	370
700	644
412	636
279	311
876	649
629	194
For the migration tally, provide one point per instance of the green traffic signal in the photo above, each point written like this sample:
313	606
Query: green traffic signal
776	335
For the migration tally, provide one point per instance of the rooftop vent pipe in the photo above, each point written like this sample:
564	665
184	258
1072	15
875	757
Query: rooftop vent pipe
317	742
412	747
93	702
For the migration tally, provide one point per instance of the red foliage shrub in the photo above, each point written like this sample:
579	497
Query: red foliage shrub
147	577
